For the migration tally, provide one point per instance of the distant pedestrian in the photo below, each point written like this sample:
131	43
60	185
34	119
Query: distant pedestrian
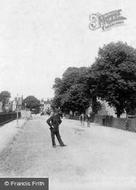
87	116
82	119
54	121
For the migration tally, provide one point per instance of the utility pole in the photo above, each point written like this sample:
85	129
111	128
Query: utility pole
17	109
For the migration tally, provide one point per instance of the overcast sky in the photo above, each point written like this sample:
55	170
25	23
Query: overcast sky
40	39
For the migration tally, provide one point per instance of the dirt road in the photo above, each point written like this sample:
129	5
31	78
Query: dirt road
96	157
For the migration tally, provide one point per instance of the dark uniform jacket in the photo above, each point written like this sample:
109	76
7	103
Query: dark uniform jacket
54	121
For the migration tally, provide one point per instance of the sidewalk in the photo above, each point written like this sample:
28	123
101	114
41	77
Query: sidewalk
8	131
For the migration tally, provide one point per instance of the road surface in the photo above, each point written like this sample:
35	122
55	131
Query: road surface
95	157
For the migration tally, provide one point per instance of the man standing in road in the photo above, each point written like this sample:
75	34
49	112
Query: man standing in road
54	121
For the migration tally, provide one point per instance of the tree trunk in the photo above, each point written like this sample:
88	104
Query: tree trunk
118	115
118	112
94	105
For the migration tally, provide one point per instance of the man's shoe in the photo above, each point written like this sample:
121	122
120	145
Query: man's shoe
63	145
53	146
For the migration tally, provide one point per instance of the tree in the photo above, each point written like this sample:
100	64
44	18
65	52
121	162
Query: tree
115	76
56	101
32	102
4	98
76	98
72	92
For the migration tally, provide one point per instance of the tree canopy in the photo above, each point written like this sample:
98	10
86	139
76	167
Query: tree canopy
72	91
31	102
115	75
112	77
4	98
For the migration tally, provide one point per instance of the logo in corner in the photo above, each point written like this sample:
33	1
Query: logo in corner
106	21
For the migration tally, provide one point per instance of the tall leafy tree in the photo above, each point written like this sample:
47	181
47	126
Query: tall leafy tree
72	91
76	98
4	98
115	76
31	102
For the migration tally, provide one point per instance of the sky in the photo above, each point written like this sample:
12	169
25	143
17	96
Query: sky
40	39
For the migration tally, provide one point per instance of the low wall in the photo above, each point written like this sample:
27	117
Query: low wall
99	119
131	123
103	120
110	121
6	117
120	123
